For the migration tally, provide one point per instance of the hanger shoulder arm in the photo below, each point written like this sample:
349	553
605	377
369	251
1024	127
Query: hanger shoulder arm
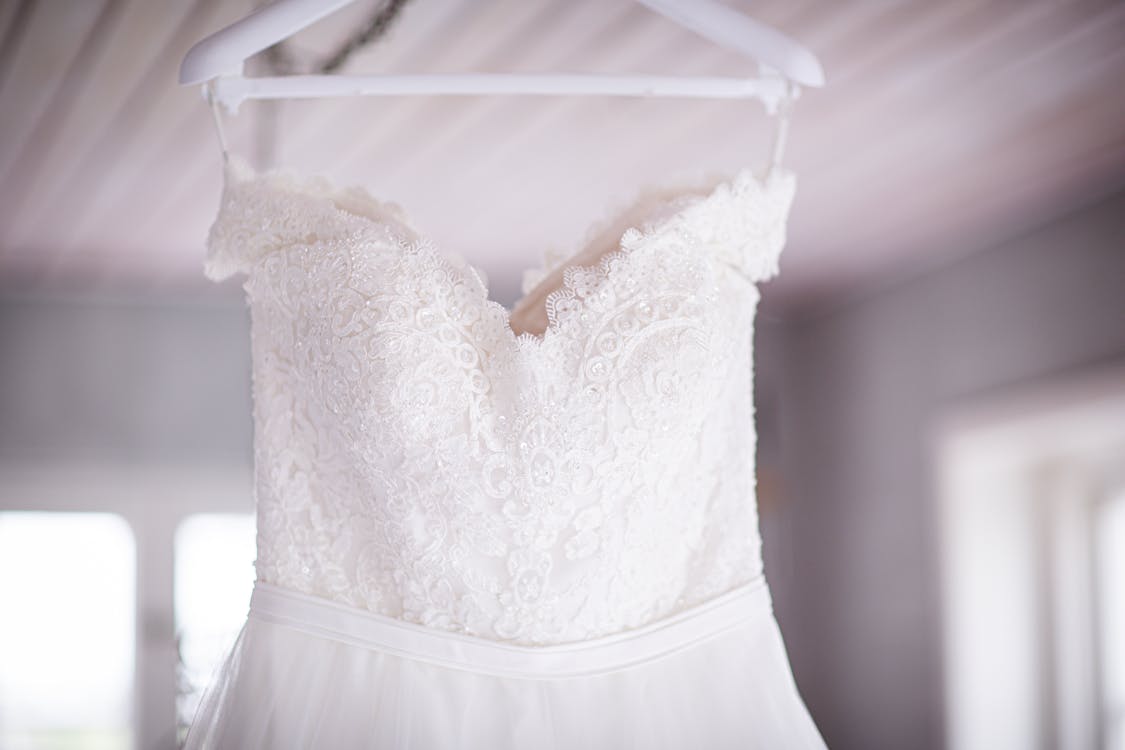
223	52
736	31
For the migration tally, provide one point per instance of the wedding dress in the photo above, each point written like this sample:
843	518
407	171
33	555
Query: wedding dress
471	536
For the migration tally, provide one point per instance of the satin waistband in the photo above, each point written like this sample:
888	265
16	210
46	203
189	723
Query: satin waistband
358	627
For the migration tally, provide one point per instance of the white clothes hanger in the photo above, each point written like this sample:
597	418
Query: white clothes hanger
218	59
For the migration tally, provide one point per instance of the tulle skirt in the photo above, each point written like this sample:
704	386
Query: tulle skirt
305	672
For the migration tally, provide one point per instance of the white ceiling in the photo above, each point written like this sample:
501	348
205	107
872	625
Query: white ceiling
944	128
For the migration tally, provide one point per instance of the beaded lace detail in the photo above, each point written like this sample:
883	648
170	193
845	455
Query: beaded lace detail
417	457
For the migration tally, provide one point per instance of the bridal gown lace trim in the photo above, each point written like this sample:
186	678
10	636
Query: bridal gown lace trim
417	458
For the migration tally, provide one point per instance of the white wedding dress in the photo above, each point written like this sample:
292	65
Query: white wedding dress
470	537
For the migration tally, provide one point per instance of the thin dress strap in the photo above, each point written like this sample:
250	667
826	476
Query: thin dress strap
209	95
781	135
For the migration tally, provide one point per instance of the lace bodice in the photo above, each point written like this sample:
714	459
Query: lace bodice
417	457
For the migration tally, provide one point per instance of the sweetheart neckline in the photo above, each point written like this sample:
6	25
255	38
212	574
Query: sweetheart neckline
319	186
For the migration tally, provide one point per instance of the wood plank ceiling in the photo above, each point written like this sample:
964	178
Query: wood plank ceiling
945	127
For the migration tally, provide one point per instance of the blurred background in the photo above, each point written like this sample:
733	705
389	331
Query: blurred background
940	363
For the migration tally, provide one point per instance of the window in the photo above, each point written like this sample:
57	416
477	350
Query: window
1031	513
1110	526
67	636
214	576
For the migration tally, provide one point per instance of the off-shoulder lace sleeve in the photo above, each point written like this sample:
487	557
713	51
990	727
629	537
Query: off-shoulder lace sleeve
248	224
744	227
263	212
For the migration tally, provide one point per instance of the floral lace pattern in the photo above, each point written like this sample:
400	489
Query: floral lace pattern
417	457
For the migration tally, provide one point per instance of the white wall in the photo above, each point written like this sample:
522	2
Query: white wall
856	577
124	378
